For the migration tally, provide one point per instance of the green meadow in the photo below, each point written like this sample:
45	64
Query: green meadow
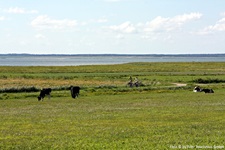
164	113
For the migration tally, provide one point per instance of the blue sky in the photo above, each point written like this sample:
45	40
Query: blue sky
112	26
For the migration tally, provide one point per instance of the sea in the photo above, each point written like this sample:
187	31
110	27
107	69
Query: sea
101	59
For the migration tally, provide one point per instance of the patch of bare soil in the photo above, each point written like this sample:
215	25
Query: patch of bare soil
180	84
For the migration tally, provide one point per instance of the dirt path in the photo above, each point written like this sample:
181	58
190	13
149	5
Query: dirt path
180	84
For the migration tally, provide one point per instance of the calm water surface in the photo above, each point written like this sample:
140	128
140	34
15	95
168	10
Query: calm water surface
76	60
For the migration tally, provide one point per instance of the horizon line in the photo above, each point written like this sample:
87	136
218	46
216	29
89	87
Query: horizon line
108	54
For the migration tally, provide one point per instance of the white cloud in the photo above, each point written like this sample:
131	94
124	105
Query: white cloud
157	25
17	10
119	36
218	27
223	14
125	27
44	22
160	24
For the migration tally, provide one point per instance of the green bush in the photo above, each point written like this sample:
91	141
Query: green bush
206	81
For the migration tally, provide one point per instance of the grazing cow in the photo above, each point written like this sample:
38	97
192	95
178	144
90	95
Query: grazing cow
208	90
75	90
198	89
45	91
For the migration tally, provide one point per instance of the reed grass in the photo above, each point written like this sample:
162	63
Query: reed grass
149	73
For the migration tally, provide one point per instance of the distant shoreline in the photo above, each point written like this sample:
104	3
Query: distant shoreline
89	55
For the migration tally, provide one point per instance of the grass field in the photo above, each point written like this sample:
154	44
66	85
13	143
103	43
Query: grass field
110	115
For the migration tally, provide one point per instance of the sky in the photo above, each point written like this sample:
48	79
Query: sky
112	26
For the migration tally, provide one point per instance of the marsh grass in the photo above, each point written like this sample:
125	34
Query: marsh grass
108	114
148	73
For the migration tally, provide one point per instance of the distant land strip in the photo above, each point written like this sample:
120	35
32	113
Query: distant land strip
153	55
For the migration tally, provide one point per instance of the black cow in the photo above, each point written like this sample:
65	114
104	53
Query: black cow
208	90
198	89
75	90
45	91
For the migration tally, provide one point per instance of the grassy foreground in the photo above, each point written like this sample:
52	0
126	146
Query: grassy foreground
109	115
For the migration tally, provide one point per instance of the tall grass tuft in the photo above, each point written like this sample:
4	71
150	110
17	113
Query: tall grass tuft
19	89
